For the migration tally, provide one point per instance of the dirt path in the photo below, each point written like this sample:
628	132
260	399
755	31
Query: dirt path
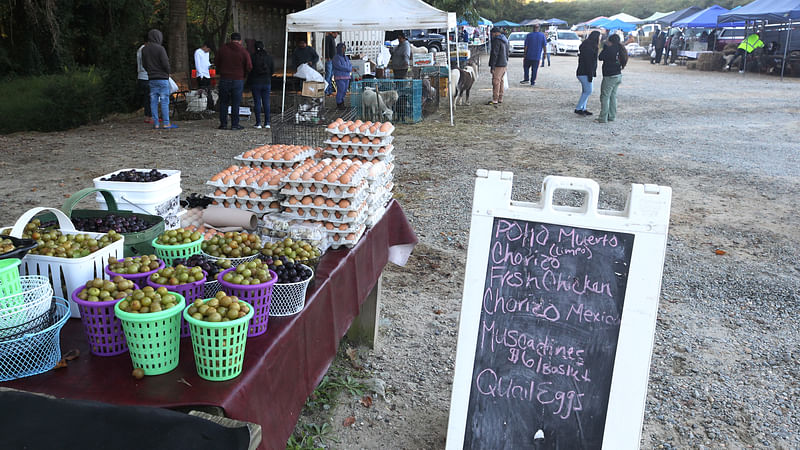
725	363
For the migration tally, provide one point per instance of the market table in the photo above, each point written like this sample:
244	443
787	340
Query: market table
281	368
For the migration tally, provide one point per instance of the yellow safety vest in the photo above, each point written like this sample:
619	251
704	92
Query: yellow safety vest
751	43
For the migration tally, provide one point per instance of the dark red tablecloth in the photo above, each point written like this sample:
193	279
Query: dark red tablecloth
281	368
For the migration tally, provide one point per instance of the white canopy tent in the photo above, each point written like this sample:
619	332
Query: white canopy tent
382	15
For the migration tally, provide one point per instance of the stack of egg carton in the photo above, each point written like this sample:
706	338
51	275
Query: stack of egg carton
371	144
332	192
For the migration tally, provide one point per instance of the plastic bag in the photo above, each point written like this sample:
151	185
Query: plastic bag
505	81
173	86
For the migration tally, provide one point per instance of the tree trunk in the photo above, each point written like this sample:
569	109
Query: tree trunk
223	32
177	45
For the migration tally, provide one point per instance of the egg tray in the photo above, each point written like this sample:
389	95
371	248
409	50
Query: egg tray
354	181
337	131
380	199
375	217
359	218
274	198
291	191
277	162
381	181
346	242
255	210
254	186
383	143
359	199
343	152
355	227
355	206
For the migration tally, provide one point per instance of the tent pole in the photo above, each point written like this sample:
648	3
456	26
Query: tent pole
450	74
285	56
785	48
746	45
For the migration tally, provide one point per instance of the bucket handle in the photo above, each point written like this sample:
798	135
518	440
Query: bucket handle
74	199
63	221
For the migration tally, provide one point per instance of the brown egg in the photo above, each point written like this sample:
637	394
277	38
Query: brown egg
294	175
351	237
292	200
382	150
307	176
333	177
306	200
289	210
373	129
328	225
333	125
261	207
334	138
265	195
312	212
274	205
219	192
330	203
336	237
344	203
253	195
325	213
301	212
345	138
352	190
319	200
230	192
229	179
363	128
343	227
312	188
352	214
216	177
344	128
338	215
319	176
365	140
386	127
339	120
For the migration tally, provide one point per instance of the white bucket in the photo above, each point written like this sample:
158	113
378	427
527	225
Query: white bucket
137	193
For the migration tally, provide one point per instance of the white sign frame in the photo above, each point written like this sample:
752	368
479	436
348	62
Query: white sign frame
646	216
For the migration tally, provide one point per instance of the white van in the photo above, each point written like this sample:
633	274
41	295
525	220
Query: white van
564	42
648	29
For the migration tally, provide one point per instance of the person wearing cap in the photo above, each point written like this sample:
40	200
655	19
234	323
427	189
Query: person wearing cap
261	83
498	61
303	54
401	57
329	51
233	64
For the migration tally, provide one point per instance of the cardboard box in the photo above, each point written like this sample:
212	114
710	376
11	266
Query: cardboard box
361	68
422	59
313	89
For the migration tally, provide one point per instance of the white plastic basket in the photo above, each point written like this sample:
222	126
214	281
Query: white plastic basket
66	274
211	288
32	302
289	298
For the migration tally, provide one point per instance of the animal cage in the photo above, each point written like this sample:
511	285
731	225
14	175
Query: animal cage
296	126
430	93
406	109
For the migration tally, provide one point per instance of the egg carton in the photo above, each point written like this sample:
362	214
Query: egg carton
260	208
255	186
359	199
245	199
380	199
338	131
327	191
337	243
375	216
386	141
336	228
277	162
299	184
350	152
354	206
331	216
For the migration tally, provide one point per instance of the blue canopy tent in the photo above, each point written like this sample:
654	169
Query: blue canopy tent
706	18
617	24
506	23
481	21
773	11
599	22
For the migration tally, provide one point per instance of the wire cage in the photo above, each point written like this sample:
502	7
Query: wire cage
431	83
300	126
406	105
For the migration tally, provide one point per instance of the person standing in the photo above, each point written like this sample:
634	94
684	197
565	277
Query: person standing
535	46
261	82
614	57
156	63
342	67
401	57
143	86
549	46
712	40
233	64
498	61
659	40
303	54
329	51
587	70
202	64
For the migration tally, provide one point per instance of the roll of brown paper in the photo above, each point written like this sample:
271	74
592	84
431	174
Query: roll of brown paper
219	217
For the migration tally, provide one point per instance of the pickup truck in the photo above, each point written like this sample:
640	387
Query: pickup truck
434	42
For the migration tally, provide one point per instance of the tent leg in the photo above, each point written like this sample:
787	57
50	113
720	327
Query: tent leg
285	56
785	48
449	75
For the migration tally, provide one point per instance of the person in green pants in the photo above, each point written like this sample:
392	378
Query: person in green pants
614	57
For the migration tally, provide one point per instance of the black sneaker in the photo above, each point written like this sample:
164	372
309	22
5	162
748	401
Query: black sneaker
579	112
237	127
223	127
523	82
587	113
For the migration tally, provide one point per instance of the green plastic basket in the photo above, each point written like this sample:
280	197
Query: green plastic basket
218	346
9	277
138	243
153	338
169	253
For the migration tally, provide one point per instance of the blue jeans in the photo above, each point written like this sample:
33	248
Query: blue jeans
586	91
159	95
548	59
341	90
230	94
261	97
329	76
531	65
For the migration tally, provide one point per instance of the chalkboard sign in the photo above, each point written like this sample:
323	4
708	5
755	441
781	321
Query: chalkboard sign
550	316
545	323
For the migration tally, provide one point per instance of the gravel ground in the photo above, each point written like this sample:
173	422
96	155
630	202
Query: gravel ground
725	366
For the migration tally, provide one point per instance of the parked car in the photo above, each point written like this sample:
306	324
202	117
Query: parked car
433	41
649	29
727	36
516	43
565	42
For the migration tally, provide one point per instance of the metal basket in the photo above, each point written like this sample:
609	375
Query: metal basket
286	129
289	298
37	352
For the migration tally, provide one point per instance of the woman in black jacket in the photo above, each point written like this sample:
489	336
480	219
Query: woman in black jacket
587	70
261	82
614	57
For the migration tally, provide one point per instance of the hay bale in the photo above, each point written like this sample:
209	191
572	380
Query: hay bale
704	58
691	65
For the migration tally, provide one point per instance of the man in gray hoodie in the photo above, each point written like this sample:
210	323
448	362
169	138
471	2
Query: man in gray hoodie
156	63
401	56
498	61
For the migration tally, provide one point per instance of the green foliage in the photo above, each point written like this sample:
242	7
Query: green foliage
312	437
52	102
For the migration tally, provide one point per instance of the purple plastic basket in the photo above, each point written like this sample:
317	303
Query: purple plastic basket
190	291
257	295
102	327
138	278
